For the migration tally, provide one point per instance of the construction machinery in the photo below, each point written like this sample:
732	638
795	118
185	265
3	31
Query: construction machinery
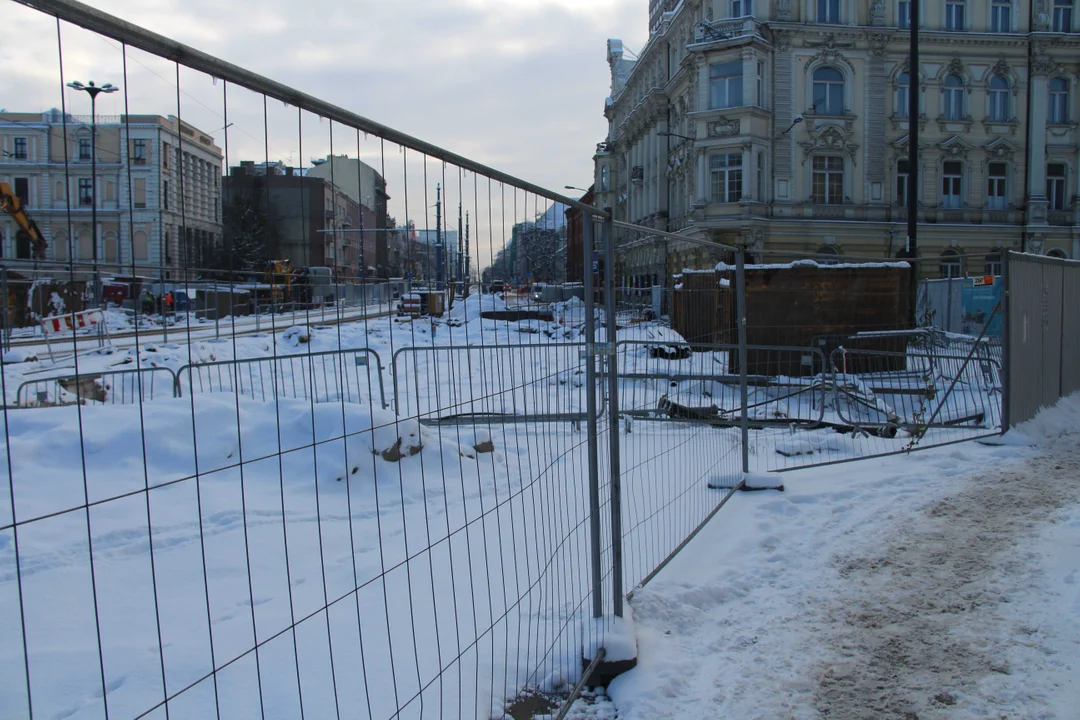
12	204
279	276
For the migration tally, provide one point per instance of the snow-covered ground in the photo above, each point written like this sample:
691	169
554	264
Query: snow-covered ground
942	584
452	558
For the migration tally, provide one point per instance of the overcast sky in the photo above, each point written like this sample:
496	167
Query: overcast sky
516	84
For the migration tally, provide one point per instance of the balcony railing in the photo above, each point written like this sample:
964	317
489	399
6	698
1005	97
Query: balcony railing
1060	217
728	29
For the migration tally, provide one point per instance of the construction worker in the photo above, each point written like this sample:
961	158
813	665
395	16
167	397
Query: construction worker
147	302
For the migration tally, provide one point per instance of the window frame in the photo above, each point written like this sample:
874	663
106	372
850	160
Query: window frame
139	151
953	98
997	8
1057	110
828	176
956	181
901	180
746	8
829	86
954	8
902	97
86	191
1061	16
997	186
994	264
829	12
86	148
998	106
951	259
1057	187
730	177
24	152
726	82
903	14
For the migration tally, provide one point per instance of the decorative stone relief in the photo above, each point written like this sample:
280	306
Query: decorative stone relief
877	44
782	9
1036	243
724	127
877	12
782	39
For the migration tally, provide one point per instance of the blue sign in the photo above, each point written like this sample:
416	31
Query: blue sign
979	297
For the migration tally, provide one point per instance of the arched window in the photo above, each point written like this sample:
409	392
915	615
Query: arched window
830	251
952	98
999	98
828	91
605	178
1058	253
950	264
1059	101
903	90
59	194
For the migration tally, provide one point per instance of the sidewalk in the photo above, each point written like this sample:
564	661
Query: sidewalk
945	583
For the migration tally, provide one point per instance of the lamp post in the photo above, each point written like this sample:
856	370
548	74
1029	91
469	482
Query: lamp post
573	187
93	91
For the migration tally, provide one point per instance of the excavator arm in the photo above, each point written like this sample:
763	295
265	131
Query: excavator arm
12	205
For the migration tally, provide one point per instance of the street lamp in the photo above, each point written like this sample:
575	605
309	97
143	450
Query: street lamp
93	91
794	121
572	187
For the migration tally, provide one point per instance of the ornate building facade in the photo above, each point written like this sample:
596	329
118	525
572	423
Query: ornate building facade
784	127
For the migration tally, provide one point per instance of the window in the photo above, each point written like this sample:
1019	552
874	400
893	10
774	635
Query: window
1058	253
1059	101
22	190
605	177
726	84
951	181
86	191
954	16
761	177
1062	16
950	264
139	192
59	192
165	151
726	176
903	94
952	98
1055	185
139	154
828	11
903	14
993	264
142	245
828	180
901	183
85	150
995	186
999	98
831	252
760	83
60	246
828	91
20	149
1001	16
165	194
742	8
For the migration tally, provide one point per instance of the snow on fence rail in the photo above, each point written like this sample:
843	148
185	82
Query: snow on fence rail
109	387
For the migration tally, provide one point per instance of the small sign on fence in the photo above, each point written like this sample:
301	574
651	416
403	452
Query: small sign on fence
59	324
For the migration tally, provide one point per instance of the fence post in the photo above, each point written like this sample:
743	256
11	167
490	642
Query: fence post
7	314
613	416
590	399
1006	342
740	309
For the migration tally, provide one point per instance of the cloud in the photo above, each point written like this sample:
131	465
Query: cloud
515	84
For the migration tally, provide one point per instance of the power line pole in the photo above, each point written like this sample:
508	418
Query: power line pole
438	239
911	250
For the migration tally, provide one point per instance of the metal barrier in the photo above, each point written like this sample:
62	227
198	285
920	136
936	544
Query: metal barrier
494	384
329	376
108	387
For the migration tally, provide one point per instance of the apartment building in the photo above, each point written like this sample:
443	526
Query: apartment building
784	126
157	189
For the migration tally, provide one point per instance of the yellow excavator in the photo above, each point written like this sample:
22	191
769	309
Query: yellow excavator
12	205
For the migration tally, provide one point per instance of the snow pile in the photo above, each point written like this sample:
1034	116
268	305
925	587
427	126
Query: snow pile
614	634
722	266
470	309
569	312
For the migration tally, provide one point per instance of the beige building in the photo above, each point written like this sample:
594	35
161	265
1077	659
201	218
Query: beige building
704	136
158	189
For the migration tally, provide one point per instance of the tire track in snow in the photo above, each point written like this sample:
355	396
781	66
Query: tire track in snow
919	626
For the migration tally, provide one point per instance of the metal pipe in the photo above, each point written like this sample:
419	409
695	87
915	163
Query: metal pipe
590	399
613	417
83	15
740	294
